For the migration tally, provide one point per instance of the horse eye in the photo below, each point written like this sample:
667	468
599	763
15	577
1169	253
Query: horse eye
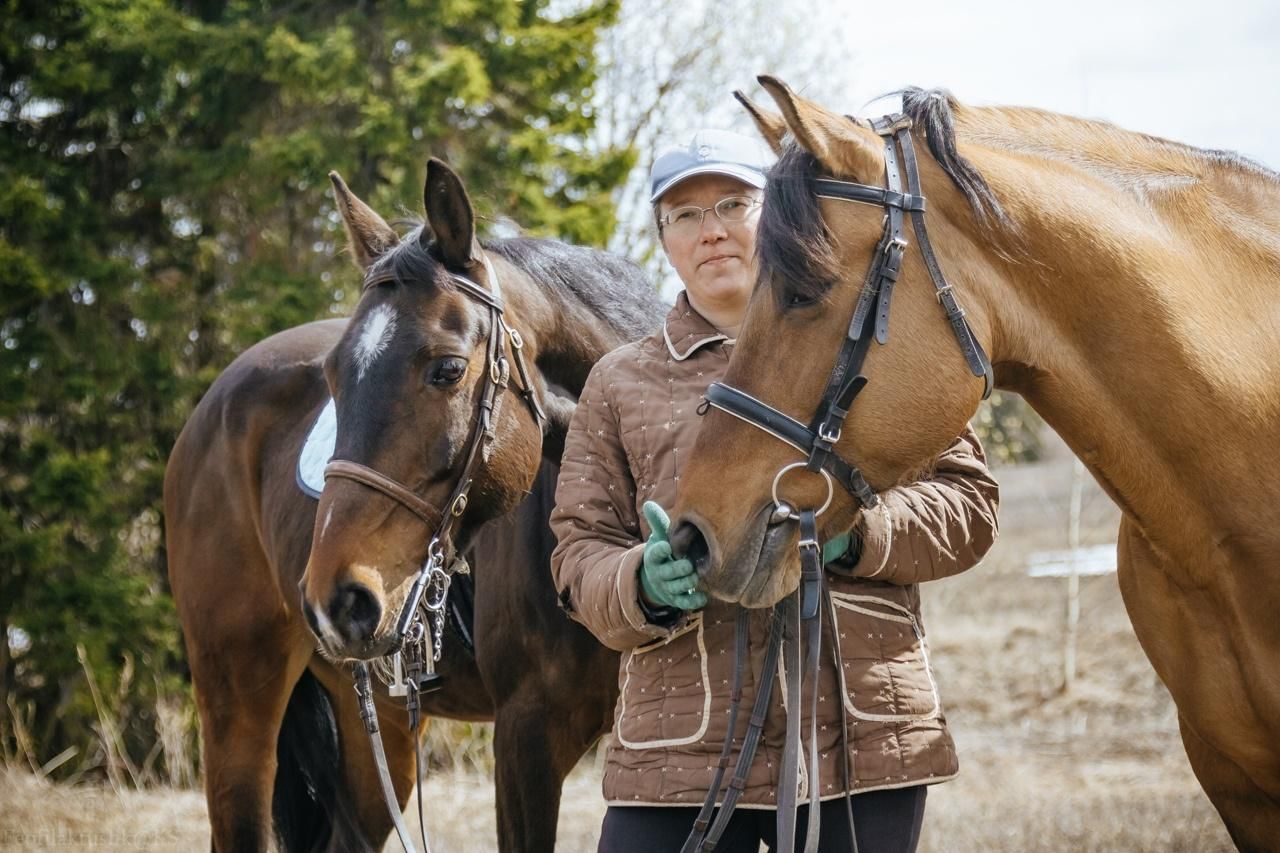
797	300
449	371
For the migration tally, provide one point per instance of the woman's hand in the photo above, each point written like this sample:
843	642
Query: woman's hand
666	581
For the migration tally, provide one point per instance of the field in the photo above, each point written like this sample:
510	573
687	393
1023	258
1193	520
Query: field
1098	768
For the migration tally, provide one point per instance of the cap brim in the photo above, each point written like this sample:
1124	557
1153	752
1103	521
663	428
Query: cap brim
750	177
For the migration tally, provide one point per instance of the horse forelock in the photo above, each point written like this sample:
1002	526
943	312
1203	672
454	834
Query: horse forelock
793	244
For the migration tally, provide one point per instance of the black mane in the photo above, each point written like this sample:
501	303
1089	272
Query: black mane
794	245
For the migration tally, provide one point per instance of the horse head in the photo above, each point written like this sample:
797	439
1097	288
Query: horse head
439	421
814	252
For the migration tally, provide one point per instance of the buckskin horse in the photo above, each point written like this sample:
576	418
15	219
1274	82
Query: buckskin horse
1128	287
279	717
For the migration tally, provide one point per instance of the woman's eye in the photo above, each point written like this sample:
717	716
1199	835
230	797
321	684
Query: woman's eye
685	214
449	371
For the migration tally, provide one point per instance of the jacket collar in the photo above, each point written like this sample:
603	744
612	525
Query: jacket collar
685	330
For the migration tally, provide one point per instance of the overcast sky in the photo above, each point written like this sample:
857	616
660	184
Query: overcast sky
1204	72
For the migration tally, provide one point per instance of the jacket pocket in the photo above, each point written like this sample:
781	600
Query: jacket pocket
666	692
885	659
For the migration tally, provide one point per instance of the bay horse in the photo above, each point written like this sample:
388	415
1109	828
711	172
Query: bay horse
279	717
1128	287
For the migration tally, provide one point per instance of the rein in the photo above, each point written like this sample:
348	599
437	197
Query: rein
802	610
419	630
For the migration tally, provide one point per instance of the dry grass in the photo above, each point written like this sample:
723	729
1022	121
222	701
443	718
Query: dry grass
1098	769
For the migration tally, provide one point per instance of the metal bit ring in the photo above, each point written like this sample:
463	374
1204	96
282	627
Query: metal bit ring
783	508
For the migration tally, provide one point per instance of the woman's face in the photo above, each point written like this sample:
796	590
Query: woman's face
714	259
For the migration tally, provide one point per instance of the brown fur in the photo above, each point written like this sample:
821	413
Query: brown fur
1132	300
240	533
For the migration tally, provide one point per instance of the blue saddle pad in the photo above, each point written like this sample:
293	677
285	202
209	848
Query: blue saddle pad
317	450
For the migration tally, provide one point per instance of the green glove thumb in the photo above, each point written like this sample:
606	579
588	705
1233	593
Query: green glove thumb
657	518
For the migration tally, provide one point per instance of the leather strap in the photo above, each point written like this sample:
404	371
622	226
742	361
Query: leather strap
751	741
365	475
369	714
974	355
741	653
786	428
789	771
827	188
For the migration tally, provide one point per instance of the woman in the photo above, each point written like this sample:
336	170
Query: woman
635	425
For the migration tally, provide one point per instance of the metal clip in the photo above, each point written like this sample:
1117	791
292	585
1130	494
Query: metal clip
397	688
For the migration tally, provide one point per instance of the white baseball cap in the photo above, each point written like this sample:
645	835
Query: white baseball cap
710	152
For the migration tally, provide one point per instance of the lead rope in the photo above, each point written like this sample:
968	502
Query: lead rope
369	714
807	604
740	657
755	726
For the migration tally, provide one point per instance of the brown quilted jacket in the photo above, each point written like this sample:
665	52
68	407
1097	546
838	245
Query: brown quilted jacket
635	425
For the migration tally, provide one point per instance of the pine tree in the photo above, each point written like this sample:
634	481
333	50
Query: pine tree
163	204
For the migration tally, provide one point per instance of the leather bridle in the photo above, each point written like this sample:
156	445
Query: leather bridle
422	616
817	441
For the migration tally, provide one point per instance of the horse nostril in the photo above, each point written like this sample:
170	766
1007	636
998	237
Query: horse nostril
687	541
355	612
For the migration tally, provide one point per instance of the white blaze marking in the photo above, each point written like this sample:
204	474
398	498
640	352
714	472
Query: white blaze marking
327	632
328	517
374	338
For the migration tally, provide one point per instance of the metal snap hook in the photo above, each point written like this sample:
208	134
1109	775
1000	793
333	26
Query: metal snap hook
781	506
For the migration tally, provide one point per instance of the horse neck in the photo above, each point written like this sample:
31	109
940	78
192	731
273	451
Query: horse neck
567	335
1141	325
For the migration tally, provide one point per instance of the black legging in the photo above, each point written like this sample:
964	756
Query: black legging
885	821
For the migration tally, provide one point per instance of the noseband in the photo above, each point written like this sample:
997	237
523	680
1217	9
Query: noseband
801	611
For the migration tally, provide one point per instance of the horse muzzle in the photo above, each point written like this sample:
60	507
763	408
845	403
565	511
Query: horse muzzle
755	570
347	626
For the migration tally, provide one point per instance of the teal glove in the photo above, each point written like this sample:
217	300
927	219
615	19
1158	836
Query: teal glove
835	547
666	581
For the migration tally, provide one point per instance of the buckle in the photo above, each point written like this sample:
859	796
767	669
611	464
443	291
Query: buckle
830	437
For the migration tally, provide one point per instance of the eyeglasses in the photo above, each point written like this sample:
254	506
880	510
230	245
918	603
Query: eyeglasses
688	218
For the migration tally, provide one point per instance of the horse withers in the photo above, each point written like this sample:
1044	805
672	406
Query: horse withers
1124	285
250	555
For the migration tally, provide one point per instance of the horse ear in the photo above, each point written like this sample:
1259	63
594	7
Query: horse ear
770	125
368	234
450	215
840	145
